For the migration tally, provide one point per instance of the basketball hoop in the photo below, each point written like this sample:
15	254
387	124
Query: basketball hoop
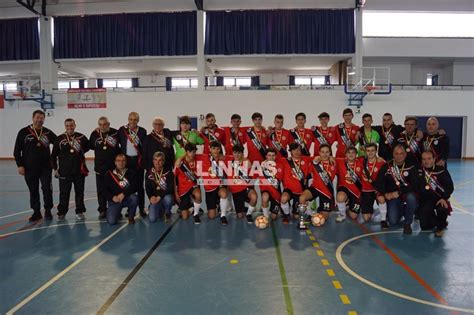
20	95
371	89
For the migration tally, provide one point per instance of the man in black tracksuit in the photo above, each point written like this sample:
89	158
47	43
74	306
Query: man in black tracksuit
32	156
435	187
69	150
105	143
131	138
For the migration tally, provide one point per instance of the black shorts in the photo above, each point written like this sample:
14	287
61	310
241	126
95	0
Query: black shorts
186	200
367	200
293	197
274	205
212	199
352	201
240	199
325	203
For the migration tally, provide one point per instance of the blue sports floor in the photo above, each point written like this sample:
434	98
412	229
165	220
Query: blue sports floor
344	268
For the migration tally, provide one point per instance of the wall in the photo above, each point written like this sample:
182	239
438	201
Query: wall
463	73
224	103
400	72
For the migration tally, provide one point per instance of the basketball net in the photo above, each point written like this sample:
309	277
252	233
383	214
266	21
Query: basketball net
371	89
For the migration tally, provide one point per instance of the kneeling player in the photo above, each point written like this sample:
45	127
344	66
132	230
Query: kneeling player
269	183
187	191
241	183
371	168
349	185
323	172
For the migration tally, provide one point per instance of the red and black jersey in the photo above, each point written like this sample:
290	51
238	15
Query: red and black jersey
295	173
388	139
233	137
212	172
239	174
304	137
323	174
345	137
186	176
218	134
32	148
68	154
322	136
116	183
257	143
438	144
106	146
159	183
270	177
280	140
413	146
370	171
349	175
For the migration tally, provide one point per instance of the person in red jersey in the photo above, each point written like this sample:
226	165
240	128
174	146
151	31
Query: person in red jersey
241	183
323	171
301	135
323	134
234	135
187	191
349	186
269	180
213	176
372	164
211	133
256	139
295	173
279	138
346	133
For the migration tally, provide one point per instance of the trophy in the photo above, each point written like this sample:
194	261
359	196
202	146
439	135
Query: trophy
302	210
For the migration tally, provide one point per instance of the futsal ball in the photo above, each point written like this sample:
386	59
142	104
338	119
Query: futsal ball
261	222
318	219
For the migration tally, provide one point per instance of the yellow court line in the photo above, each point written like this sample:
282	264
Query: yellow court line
325	262
337	284
312	238
345	299
308	231
330	272
316	244
352	313
320	253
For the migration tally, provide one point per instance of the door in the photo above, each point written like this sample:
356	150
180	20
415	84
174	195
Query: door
454	129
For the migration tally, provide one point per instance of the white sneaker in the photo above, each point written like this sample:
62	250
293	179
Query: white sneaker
340	218
80	216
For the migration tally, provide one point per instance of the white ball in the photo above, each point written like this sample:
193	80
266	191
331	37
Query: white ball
261	222
318	219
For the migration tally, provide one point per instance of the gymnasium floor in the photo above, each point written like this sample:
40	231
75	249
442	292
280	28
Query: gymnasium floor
347	268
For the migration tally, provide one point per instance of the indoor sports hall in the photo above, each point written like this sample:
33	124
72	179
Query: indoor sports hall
236	157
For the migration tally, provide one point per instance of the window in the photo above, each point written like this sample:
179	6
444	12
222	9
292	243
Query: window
125	84
9	86
418	24
71	84
429	80
310	80
237	81
117	83
184	83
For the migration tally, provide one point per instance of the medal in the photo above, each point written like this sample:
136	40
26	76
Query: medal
386	141
72	150
435	142
104	147
427	187
370	180
408	149
397	183
38	144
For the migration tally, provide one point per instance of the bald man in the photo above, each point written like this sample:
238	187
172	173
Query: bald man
436	142
131	138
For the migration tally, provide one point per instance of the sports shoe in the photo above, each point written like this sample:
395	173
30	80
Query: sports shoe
224	221
384	225
102	215
168	218
286	219
131	220
61	217
80	216
407	229
197	219
142	213
249	219
47	215
439	233
126	214
340	218
35	217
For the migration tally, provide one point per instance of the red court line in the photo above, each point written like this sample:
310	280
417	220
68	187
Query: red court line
26	227
7	225
411	272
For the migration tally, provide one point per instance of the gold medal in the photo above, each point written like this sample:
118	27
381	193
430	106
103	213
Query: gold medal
397	183
370	180
408	150
158	188
104	147
72	150
427	187
386	141
38	144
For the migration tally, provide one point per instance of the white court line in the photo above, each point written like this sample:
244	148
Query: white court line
62	273
49	226
344	266
29	211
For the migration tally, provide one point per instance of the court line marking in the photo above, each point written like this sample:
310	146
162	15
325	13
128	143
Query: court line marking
9	224
344	266
62	273
281	267
135	270
463	183
49	226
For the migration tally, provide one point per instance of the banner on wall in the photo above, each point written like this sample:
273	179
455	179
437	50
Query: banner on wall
2	102
86	98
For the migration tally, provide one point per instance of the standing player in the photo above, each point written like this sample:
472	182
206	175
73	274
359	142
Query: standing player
69	149
436	142
241	184
212	133
435	187
323	172
32	157
269	180
367	134
346	133
323	134
234	135
410	139
105	143
389	133
301	135
185	135
371	168
279	138
256	139
187	191
132	138
160	139
349	185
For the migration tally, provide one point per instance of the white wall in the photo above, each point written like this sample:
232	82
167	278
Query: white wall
400	72
463	73
224	103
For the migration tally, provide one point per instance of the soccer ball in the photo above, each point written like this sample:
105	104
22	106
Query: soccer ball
318	219
261	222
